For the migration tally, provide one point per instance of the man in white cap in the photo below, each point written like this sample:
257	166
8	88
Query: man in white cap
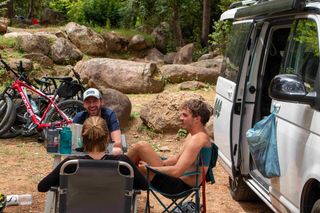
92	102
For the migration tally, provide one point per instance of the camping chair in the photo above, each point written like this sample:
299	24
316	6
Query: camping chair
95	186
207	157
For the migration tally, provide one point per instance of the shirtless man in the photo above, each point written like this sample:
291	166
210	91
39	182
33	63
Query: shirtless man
194	115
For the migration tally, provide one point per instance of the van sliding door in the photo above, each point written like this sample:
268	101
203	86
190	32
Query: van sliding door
229	93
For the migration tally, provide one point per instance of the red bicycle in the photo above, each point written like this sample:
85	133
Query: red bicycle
55	112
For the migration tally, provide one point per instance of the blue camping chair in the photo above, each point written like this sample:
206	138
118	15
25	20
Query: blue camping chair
207	157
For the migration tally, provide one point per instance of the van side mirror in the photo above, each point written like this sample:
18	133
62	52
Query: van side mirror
291	88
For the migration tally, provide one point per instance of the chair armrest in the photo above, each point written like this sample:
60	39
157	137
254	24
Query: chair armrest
124	143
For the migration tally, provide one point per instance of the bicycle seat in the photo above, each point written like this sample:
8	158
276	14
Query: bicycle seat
42	82
68	79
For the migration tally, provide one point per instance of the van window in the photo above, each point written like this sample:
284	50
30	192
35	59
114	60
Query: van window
303	52
234	53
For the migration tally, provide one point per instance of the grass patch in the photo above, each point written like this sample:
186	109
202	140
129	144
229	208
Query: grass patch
182	133
12	54
134	115
145	129
8	42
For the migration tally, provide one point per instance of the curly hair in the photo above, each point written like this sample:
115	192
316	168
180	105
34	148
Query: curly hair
95	134
198	108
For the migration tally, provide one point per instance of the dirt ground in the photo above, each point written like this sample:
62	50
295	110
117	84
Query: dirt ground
23	162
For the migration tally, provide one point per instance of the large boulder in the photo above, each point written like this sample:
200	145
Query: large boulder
154	55
3	27
64	52
124	76
115	43
119	103
191	85
179	73
49	16
86	39
169	57
51	37
26	64
209	127
161	34
138	43
16	34
43	60
34	44
214	63
162	113
184	55
209	55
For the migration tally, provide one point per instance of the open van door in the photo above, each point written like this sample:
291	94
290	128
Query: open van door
229	95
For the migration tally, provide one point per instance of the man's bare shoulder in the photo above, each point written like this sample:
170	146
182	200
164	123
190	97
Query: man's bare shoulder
200	139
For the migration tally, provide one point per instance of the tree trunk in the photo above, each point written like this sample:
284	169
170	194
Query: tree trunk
205	22
176	24
31	7
9	12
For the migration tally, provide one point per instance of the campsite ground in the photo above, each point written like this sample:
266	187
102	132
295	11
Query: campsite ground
23	162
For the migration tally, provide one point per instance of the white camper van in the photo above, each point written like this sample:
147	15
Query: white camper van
272	60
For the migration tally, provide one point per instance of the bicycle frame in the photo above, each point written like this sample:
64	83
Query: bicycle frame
20	87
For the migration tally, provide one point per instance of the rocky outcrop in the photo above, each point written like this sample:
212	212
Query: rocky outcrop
138	43
51	37
34	44
26	64
184	55
209	55
154	55
169	57
162	113
64	52
119	103
16	34
86	39
179	73
214	63
3	27
124	76
161	34
49	16
43	60
191	85
115	43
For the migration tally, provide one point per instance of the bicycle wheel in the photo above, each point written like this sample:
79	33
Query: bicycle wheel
21	120
69	107
7	114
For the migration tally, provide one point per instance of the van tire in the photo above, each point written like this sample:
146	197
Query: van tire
316	207
240	191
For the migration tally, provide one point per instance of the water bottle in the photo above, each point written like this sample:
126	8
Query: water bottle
21	200
34	106
52	139
65	140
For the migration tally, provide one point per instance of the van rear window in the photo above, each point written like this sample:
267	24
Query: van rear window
234	53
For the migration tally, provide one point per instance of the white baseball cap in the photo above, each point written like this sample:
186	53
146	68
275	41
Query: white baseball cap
91	92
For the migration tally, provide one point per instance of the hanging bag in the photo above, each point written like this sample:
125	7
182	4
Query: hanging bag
262	139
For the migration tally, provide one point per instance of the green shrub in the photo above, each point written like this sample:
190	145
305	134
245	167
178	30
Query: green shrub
102	12
219	37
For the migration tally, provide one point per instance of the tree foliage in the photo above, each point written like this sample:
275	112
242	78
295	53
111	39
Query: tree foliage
184	17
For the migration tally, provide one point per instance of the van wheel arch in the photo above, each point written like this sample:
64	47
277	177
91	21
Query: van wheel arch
239	190
310	196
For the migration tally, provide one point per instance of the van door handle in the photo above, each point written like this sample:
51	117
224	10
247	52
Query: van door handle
276	107
230	91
